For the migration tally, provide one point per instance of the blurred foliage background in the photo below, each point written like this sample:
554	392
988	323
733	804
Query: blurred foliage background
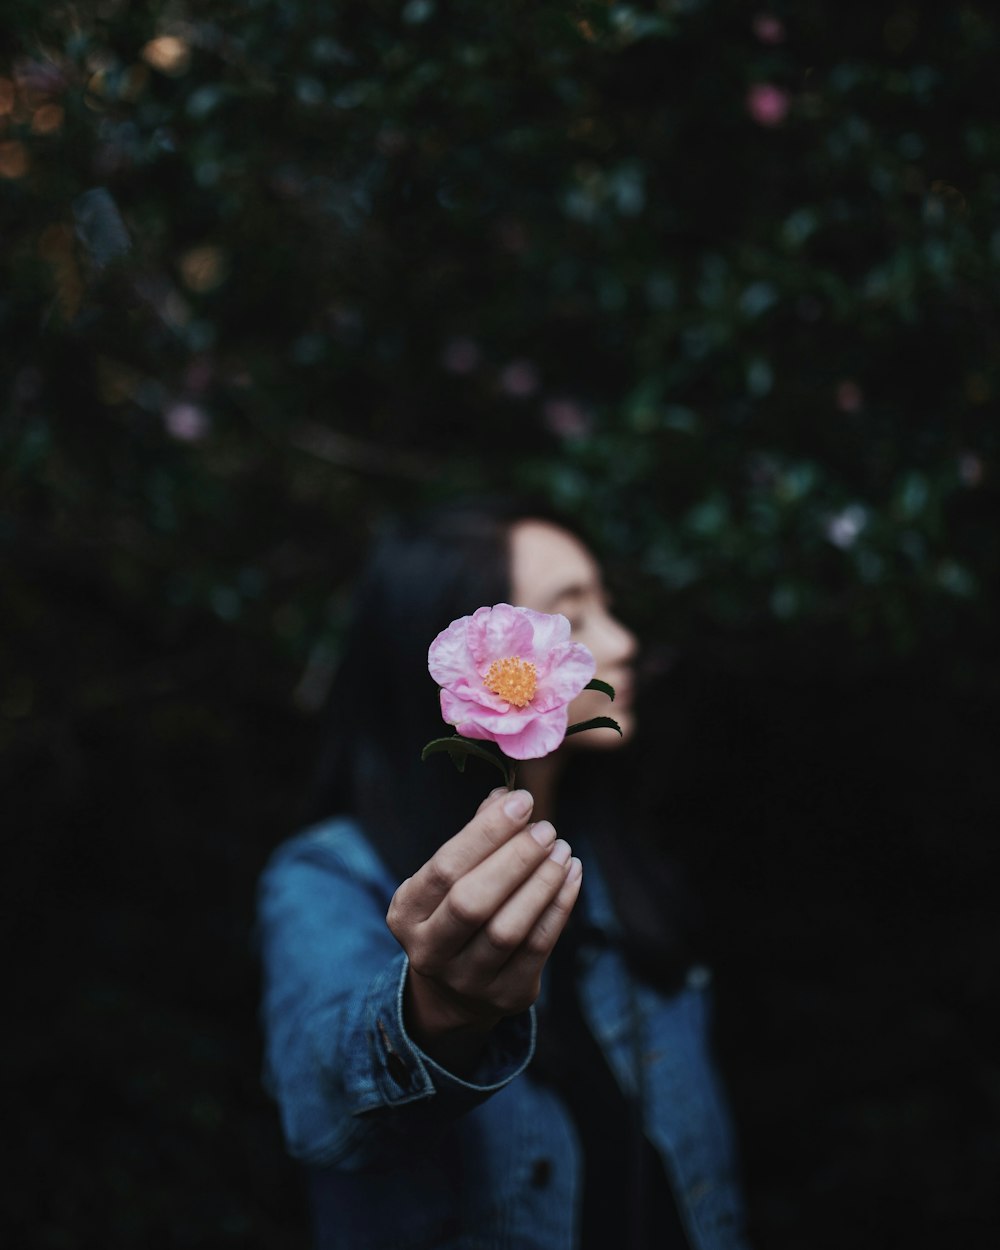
720	280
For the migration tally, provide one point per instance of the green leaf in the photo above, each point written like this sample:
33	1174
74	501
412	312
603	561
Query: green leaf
597	684
459	749
598	722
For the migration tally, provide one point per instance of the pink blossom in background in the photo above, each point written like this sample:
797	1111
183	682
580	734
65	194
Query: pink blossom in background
43	78
844	528
508	675
519	379
185	422
767	104
461	355
768	28
198	375
970	468
566	418
850	397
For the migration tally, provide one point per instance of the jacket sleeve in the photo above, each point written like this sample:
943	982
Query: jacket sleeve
352	1086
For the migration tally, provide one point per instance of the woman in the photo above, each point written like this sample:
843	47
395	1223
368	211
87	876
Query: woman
509	1048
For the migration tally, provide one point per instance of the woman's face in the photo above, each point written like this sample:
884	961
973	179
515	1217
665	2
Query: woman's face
551	571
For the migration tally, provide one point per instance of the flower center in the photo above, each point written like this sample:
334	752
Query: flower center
513	679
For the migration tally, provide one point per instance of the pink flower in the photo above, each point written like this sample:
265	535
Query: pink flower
461	355
508	675
768	28
767	104
519	379
185	422
850	397
565	418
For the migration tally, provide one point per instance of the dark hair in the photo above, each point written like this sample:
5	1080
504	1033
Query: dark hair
424	572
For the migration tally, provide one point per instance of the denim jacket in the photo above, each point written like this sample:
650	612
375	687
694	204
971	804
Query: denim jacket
416	1157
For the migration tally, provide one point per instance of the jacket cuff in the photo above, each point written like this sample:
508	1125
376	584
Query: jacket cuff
404	1073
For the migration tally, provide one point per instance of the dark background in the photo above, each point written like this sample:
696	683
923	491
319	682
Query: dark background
719	280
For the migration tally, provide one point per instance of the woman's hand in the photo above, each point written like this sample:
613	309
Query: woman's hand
478	921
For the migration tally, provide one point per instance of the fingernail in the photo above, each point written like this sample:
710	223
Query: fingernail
560	852
518	805
575	870
543	832
493	793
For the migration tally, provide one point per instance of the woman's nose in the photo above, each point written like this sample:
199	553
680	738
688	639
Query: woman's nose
621	644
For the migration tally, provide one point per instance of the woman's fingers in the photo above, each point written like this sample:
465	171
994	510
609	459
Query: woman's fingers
498	972
550	924
514	920
500	817
491	796
480	918
476	897
516	985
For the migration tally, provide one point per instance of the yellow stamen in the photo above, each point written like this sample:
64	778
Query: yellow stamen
513	679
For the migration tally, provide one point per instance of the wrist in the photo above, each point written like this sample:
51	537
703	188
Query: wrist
448	1029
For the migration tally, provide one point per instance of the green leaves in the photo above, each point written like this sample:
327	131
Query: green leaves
246	319
597	684
596	722
459	749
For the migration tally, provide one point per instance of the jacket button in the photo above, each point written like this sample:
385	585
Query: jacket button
541	1173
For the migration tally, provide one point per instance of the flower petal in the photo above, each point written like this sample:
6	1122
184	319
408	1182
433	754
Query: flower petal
541	737
460	656
472	729
497	632
549	630
477	694
457	711
448	656
571	667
